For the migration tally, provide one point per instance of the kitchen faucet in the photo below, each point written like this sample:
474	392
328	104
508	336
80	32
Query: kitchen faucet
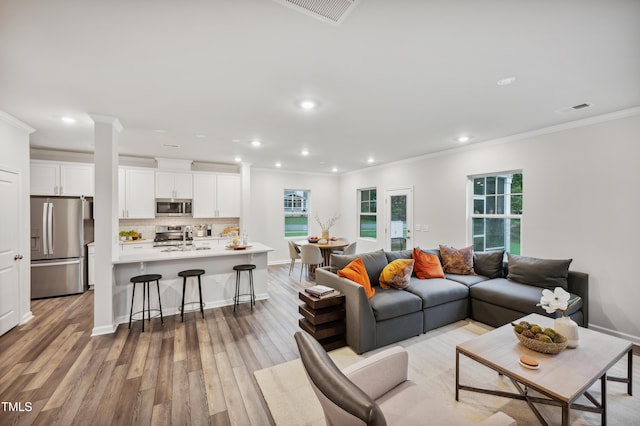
187	228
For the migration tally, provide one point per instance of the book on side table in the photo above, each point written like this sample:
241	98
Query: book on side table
319	290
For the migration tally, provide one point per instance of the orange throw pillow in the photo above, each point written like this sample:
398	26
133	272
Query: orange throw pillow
356	272
426	265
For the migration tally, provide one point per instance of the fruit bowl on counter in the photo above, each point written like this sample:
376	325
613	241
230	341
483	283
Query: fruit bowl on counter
536	338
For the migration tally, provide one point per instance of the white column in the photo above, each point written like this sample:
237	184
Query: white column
245	207
106	130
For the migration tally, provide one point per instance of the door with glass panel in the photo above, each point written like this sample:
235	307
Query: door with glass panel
399	219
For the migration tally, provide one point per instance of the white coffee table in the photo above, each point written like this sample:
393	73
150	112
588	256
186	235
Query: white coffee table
561	378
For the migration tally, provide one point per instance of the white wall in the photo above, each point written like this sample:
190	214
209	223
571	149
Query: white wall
267	191
14	146
581	201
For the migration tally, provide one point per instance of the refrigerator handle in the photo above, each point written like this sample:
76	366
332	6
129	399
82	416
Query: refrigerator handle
50	228
45	215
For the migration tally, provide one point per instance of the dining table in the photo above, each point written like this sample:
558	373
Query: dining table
326	248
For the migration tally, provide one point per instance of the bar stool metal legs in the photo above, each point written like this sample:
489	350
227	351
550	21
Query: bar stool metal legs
252	295
186	274
146	296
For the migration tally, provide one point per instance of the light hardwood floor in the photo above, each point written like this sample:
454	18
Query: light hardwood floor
196	372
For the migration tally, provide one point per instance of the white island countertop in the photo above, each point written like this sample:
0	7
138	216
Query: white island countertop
156	254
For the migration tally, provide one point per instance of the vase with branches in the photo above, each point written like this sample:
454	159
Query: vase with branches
326	225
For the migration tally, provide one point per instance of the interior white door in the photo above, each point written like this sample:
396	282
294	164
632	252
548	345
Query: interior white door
9	252
399	219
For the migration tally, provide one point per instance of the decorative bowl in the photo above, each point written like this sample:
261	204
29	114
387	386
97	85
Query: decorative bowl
313	240
545	348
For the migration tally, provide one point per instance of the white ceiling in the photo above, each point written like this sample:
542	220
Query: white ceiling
395	80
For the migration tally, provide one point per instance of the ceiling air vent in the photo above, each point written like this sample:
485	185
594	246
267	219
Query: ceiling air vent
330	11
574	107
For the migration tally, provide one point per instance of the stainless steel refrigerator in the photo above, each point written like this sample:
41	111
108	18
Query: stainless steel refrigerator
58	245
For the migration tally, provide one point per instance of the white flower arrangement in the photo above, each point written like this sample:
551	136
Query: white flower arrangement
325	226
556	300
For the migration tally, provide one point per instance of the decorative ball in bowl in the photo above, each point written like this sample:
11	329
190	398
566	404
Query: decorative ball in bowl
536	338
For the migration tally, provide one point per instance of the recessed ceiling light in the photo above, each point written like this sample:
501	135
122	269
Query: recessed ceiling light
463	138
304	152
160	131
200	136
68	120
170	145
308	104
278	164
237	159
506	81
236	140
370	160
334	170
256	143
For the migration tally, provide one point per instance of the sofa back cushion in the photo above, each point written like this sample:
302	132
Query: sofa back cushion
356	272
398	254
545	273
489	264
374	262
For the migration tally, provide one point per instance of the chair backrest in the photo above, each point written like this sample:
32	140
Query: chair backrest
350	249
294	252
311	255
342	401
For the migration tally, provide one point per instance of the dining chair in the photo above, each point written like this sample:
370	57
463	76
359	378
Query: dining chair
310	255
294	253
349	249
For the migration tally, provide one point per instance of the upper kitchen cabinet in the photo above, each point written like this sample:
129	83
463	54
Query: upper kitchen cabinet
173	185
216	195
136	193
55	178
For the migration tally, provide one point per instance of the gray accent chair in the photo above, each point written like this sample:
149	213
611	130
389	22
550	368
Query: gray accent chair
375	391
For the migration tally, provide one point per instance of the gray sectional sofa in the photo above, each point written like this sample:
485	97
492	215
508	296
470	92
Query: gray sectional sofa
494	296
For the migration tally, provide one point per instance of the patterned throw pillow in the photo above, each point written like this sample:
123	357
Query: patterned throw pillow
427	265
397	274
356	272
457	261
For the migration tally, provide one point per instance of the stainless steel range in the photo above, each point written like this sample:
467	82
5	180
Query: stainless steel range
172	235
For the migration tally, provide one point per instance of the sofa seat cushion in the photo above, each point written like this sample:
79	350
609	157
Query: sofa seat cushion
436	291
391	303
515	296
467	280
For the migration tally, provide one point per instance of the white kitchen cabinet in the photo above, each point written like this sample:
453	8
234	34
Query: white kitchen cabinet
216	195
54	178
173	185
136	193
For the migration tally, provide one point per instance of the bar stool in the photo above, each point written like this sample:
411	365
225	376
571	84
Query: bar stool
186	274
236	299
145	280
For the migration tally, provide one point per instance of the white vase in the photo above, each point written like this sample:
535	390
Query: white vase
569	329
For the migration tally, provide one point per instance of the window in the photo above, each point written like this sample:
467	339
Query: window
296	213
497	212
368	212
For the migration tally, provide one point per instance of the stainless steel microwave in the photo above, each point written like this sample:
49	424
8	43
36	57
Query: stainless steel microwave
173	207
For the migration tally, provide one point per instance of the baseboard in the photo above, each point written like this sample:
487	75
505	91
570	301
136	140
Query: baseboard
634	339
26	317
105	329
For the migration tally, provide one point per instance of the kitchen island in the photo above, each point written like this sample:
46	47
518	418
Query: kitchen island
218	282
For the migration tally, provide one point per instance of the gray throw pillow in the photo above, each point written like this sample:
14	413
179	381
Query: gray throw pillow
489	263
374	263
546	273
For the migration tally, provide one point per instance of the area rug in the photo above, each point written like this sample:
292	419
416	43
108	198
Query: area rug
432	366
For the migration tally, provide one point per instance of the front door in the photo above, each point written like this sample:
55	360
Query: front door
9	248
399	222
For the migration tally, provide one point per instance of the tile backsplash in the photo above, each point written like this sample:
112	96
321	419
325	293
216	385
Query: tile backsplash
147	227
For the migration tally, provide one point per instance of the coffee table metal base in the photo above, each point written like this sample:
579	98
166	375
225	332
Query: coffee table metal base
523	392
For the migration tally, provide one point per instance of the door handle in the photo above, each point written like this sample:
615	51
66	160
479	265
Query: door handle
17	257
